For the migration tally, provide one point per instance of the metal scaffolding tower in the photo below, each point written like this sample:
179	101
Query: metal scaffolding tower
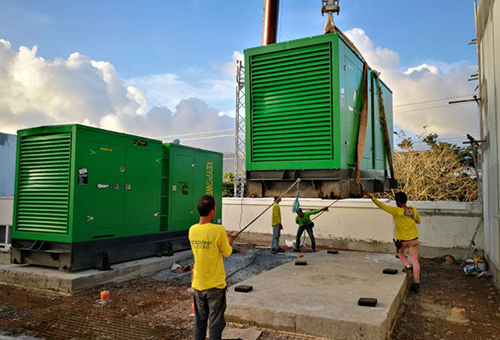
239	135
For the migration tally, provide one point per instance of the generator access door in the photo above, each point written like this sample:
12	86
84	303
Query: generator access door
105	180
182	205
142	190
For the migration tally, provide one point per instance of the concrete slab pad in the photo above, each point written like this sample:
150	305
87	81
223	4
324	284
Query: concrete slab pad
239	334
4	257
321	299
71	282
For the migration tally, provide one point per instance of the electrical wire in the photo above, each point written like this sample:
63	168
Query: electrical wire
241	210
248	265
432	107
209	137
194	133
452	138
433	100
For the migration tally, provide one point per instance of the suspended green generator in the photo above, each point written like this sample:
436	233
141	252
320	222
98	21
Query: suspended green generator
313	111
86	197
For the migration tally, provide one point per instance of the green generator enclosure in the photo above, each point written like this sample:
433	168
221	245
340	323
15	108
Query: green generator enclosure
87	197
188	174
303	101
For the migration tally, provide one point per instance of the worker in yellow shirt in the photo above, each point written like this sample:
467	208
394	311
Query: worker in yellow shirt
277	226
406	219
209	243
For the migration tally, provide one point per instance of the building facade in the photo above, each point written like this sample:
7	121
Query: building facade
488	40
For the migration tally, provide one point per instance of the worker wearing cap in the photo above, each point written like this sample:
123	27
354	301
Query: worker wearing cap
303	219
209	243
406	219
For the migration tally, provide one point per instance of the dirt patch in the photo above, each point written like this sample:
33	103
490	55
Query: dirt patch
444	286
159	307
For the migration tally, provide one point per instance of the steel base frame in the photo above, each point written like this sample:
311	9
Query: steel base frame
98	254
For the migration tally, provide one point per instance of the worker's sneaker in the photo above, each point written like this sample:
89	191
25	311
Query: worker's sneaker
296	250
273	251
280	250
408	269
415	287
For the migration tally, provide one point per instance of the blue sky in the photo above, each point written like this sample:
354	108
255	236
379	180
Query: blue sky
158	53
168	36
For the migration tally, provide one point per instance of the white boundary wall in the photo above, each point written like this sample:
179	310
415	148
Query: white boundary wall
6	206
446	228
6	210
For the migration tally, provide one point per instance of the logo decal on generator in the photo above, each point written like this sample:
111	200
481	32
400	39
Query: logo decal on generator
209	190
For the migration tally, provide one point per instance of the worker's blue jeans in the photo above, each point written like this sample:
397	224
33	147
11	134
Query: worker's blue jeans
275	240
210	305
309	229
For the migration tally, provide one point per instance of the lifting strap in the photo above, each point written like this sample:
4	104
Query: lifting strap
383	121
361	133
363	122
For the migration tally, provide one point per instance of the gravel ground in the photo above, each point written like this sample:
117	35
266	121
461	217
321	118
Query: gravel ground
240	266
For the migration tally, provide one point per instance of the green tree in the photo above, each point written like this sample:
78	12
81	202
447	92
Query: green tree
228	184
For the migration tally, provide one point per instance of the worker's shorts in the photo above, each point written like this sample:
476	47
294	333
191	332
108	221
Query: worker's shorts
408	244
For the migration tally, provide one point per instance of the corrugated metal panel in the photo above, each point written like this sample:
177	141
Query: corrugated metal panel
44	172
291	104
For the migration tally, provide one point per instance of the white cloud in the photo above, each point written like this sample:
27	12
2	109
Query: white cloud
230	67
424	82
78	89
169	89
37	92
423	67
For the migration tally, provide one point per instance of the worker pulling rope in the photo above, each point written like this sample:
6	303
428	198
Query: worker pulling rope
297	182
313	242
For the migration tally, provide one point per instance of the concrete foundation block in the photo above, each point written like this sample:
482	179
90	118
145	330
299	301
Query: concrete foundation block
72	282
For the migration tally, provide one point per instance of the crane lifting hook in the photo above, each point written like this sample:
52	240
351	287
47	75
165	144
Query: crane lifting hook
330	7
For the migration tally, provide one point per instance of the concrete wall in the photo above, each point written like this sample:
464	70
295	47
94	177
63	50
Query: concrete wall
488	35
6	210
447	227
7	164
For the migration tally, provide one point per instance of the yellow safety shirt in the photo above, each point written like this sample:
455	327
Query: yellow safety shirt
406	226
276	219
209	244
